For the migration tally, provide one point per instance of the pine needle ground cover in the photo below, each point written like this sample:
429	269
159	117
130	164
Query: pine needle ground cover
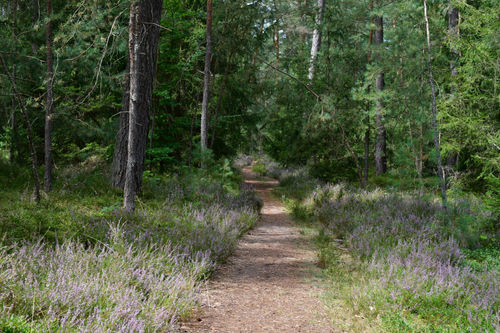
78	264
396	261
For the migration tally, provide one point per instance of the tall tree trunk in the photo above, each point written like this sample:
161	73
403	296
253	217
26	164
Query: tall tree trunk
434	110
143	44
206	80
34	161
49	105
120	153
380	144
316	40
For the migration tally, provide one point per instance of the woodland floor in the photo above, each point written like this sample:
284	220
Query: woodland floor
271	282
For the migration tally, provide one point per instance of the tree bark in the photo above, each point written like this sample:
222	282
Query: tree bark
120	153
144	34
434	110
49	105
34	161
380	144
206	80
316	40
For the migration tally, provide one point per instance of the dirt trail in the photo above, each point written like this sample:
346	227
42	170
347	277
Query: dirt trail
268	284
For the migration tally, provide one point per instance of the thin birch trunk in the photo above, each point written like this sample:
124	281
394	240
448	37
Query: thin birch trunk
316	40
434	110
206	80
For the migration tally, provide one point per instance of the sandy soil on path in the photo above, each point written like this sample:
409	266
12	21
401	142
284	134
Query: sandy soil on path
268	284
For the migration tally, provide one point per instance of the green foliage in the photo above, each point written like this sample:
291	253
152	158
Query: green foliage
471	113
484	259
259	168
15	324
492	199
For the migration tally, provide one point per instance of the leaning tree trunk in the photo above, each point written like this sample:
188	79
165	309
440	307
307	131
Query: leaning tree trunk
434	109
49	106
144	34
206	80
316	40
119	165
34	161
380	144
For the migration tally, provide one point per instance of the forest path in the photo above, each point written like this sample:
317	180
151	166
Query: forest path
270	283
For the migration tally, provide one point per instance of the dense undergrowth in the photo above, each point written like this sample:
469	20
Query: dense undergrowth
396	259
77	263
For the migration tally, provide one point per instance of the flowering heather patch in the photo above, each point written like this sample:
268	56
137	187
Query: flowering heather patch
117	287
125	273
242	160
411	255
416	265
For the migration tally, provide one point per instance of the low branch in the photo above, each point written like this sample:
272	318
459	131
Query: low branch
294	78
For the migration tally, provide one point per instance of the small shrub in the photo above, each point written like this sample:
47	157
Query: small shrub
259	168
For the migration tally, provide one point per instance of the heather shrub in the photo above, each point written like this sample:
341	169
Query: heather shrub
242	160
259	168
270	167
415	262
118	286
416	267
78	263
